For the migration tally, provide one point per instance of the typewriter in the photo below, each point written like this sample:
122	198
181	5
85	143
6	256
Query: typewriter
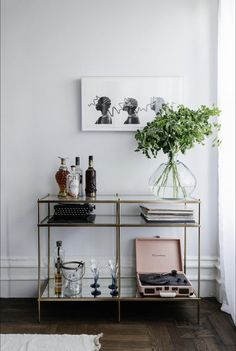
73	213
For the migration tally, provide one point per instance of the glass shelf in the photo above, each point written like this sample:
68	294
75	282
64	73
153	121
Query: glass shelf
139	221
113	198
128	292
149	198
98	199
100	221
110	221
49	292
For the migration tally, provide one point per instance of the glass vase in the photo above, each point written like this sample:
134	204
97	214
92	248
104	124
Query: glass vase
172	180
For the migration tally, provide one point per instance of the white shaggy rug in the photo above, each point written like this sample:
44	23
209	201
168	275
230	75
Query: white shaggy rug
43	342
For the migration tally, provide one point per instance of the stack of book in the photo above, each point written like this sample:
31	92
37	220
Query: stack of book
155	213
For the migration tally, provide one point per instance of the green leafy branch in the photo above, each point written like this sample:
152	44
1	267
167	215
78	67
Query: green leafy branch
177	130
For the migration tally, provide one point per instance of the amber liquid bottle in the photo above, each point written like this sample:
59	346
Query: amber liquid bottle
90	179
58	260
58	278
61	177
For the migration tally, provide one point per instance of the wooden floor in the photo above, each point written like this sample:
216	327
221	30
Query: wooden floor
148	326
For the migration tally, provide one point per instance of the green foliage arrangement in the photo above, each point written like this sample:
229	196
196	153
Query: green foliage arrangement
177	130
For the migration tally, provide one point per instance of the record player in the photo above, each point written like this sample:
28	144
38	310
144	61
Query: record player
159	268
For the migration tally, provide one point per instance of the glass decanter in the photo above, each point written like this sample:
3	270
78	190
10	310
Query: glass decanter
61	177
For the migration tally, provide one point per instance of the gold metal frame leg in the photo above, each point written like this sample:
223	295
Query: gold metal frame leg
198	312
39	314
119	311
199	263
49	247
185	246
118	245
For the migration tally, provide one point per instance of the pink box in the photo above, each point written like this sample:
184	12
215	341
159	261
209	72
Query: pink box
160	260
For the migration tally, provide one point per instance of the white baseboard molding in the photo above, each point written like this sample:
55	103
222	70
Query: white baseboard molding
19	274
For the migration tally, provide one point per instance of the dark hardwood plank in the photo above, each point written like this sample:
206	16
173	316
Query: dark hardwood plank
178	338
144	326
223	326
160	337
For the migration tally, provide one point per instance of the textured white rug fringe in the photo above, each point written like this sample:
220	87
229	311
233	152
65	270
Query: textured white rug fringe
44	342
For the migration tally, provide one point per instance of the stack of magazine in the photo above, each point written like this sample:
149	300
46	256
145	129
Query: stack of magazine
156	213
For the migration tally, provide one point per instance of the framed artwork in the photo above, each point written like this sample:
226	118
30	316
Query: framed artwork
126	103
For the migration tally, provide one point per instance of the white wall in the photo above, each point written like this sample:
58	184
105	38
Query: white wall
47	45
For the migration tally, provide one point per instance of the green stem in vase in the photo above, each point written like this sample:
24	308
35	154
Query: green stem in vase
160	180
165	177
168	180
179	182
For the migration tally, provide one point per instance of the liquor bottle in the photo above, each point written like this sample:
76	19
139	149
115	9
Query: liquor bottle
79	171
58	260
90	179
61	177
73	183
58	278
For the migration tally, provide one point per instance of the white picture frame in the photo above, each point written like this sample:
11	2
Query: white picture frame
125	103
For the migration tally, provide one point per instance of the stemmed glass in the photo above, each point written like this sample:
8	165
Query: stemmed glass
94	269
114	272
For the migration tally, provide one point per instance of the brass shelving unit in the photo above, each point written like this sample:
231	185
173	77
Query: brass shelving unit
126	285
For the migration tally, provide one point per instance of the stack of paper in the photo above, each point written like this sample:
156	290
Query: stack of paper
155	213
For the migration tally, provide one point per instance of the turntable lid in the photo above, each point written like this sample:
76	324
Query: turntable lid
154	255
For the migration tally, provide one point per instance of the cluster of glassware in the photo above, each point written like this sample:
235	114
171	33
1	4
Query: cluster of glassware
69	275
114	274
71	183
72	272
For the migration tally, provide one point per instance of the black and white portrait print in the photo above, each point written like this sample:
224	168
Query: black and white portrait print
156	104
130	106
103	105
126	103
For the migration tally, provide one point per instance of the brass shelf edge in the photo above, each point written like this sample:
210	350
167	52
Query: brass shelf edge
117	198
